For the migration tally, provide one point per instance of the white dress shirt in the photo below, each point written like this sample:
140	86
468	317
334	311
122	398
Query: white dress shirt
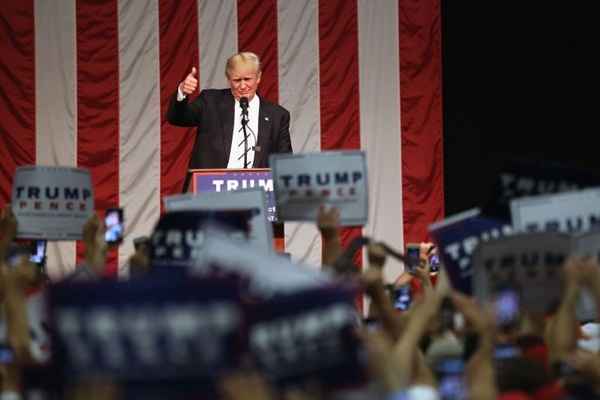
236	155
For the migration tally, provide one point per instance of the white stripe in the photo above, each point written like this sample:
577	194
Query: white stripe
299	92
55	107
379	76
139	119
217	40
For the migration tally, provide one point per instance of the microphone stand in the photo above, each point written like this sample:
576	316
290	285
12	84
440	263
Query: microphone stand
244	105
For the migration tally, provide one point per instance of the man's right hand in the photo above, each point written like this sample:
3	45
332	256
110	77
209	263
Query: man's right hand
190	83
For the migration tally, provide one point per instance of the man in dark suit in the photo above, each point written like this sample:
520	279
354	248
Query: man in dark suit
220	116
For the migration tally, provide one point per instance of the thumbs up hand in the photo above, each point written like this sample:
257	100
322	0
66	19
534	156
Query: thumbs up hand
190	83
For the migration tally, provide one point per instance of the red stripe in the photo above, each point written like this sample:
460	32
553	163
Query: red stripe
17	91
257	32
178	23
98	103
421	116
338	49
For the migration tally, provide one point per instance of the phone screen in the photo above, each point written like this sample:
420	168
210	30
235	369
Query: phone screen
402	298
506	307
434	263
506	351
6	354
38	253
114	225
413	253
450	372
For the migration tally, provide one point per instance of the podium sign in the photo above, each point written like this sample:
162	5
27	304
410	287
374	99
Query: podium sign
227	180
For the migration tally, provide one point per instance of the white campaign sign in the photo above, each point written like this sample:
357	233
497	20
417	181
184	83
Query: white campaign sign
565	212
52	203
529	263
532	264
303	182
268	274
261	230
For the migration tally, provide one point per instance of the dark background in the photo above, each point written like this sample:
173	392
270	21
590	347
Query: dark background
518	82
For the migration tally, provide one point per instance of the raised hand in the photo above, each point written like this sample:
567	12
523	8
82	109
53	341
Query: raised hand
190	83
95	245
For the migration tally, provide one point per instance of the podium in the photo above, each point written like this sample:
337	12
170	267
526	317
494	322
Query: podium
231	179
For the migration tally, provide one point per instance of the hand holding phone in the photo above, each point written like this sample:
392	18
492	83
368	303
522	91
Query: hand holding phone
114	226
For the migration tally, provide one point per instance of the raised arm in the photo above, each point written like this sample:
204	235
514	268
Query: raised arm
562	328
181	112
328	223
480	375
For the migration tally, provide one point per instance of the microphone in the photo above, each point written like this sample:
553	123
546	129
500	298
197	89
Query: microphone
244	104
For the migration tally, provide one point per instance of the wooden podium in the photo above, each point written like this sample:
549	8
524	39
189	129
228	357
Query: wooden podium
226	179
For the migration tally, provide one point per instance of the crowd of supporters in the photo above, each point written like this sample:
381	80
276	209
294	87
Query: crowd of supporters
443	344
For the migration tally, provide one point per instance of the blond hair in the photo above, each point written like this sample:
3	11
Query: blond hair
244	57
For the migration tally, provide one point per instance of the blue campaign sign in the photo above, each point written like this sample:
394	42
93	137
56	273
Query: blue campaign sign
457	237
146	330
307	336
232	180
180	236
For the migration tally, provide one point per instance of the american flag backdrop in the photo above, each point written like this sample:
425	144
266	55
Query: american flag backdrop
86	83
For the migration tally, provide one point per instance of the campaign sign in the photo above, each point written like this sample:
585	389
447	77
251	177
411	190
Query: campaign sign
523	178
261	230
564	212
457	237
180	236
587	244
307	336
260	275
530	263
234	180
305	181
146	330
52	203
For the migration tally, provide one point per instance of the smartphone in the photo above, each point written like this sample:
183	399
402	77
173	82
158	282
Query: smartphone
506	307
7	355
413	253
506	351
38	253
450	374
434	263
113	221
402	298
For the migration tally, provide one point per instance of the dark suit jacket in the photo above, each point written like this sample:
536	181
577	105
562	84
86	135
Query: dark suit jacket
212	112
